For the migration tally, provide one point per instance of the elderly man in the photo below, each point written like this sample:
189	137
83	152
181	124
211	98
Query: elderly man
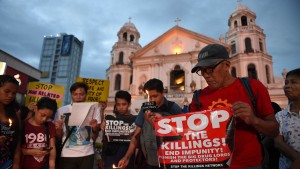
225	90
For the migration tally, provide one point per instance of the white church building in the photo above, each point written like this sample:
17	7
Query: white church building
171	56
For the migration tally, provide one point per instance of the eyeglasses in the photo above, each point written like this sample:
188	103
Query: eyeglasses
207	70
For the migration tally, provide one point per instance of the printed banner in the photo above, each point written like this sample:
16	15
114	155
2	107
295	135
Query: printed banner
119	128
196	140
36	90
98	89
66	45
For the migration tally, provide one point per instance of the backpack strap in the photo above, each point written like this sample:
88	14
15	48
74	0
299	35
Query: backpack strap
68	136
59	144
196	98
246	83
67	116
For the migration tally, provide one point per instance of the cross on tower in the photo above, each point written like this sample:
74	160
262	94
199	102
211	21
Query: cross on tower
239	2
129	19
177	20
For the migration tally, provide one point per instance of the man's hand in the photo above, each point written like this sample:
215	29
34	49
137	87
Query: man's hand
243	111
102	125
123	162
103	105
31	106
94	125
59	124
151	117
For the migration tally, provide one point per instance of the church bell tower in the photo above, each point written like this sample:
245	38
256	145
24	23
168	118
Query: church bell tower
120	71
249	56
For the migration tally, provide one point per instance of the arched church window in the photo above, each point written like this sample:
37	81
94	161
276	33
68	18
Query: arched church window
121	57
268	74
233	71
131	38
177	79
130	82
252	71
248	46
125	36
118	82
244	21
177	67
235	24
233	47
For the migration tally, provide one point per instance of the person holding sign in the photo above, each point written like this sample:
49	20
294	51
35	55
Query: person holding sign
224	90
9	124
145	120
78	151
288	140
38	144
115	147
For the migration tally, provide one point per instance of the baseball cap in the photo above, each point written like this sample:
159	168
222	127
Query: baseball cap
211	55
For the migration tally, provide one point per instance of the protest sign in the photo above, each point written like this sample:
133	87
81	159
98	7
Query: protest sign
149	106
98	89
196	140
36	90
82	113
119	128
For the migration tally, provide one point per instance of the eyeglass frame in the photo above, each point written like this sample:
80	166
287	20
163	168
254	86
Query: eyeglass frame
208	70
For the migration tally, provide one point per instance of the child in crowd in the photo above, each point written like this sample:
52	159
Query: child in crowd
9	123
287	142
38	145
113	151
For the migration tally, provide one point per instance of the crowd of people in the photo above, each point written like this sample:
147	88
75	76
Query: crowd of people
39	136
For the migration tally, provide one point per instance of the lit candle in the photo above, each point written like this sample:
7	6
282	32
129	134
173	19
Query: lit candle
115	166
10	122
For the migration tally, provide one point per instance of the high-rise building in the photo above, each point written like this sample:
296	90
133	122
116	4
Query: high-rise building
60	61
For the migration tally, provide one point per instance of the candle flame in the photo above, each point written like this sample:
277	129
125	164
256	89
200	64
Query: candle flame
10	122
114	166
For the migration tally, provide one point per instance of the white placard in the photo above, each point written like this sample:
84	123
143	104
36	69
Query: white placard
82	113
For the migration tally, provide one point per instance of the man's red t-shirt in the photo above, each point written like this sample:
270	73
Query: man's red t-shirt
247	149
35	138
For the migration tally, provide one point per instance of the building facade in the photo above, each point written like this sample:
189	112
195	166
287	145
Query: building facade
23	72
171	56
60	61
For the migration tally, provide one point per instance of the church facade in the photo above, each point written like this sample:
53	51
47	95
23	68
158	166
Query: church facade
171	56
